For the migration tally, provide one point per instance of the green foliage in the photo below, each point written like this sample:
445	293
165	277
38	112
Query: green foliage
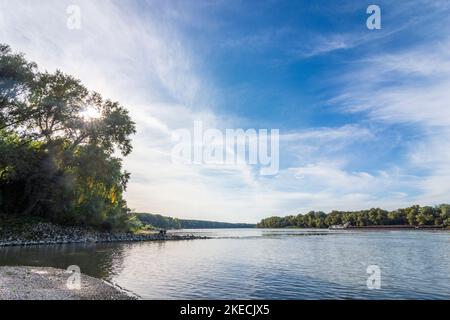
414	216
162	222
55	162
134	225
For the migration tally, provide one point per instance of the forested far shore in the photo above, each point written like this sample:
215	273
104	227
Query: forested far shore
411	216
159	221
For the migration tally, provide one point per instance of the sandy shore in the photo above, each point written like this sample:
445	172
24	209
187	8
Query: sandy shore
33	283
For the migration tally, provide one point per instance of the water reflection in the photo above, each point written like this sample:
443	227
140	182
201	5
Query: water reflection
263	264
97	260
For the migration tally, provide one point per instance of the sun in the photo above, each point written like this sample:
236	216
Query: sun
90	113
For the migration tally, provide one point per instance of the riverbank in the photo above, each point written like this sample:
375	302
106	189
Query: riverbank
375	227
400	227
33	283
47	234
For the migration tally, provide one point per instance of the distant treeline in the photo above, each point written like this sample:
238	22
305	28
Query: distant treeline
159	221
413	216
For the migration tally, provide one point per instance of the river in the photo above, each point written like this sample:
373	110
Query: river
263	264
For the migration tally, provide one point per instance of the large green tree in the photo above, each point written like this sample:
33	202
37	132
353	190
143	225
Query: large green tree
55	160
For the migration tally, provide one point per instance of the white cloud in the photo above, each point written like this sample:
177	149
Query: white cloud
346	132
410	88
143	61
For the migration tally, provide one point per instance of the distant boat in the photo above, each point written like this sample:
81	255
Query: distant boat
339	226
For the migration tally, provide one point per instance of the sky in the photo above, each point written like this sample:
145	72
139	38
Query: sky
363	115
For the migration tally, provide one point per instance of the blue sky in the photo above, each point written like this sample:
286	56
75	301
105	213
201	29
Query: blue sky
363	114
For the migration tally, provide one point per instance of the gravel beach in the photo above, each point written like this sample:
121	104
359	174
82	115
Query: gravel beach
48	234
33	283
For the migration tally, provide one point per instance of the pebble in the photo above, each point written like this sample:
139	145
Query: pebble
48	233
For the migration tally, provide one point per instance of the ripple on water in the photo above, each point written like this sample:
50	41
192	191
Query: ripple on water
263	264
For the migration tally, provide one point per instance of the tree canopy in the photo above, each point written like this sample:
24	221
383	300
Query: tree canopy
413	216
56	161
159	221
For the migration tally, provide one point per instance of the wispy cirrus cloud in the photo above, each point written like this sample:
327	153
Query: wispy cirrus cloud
409	88
147	56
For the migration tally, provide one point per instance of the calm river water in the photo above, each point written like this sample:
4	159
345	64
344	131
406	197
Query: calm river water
263	264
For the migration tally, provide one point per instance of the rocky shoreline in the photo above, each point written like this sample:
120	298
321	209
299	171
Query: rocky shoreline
37	283
49	234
